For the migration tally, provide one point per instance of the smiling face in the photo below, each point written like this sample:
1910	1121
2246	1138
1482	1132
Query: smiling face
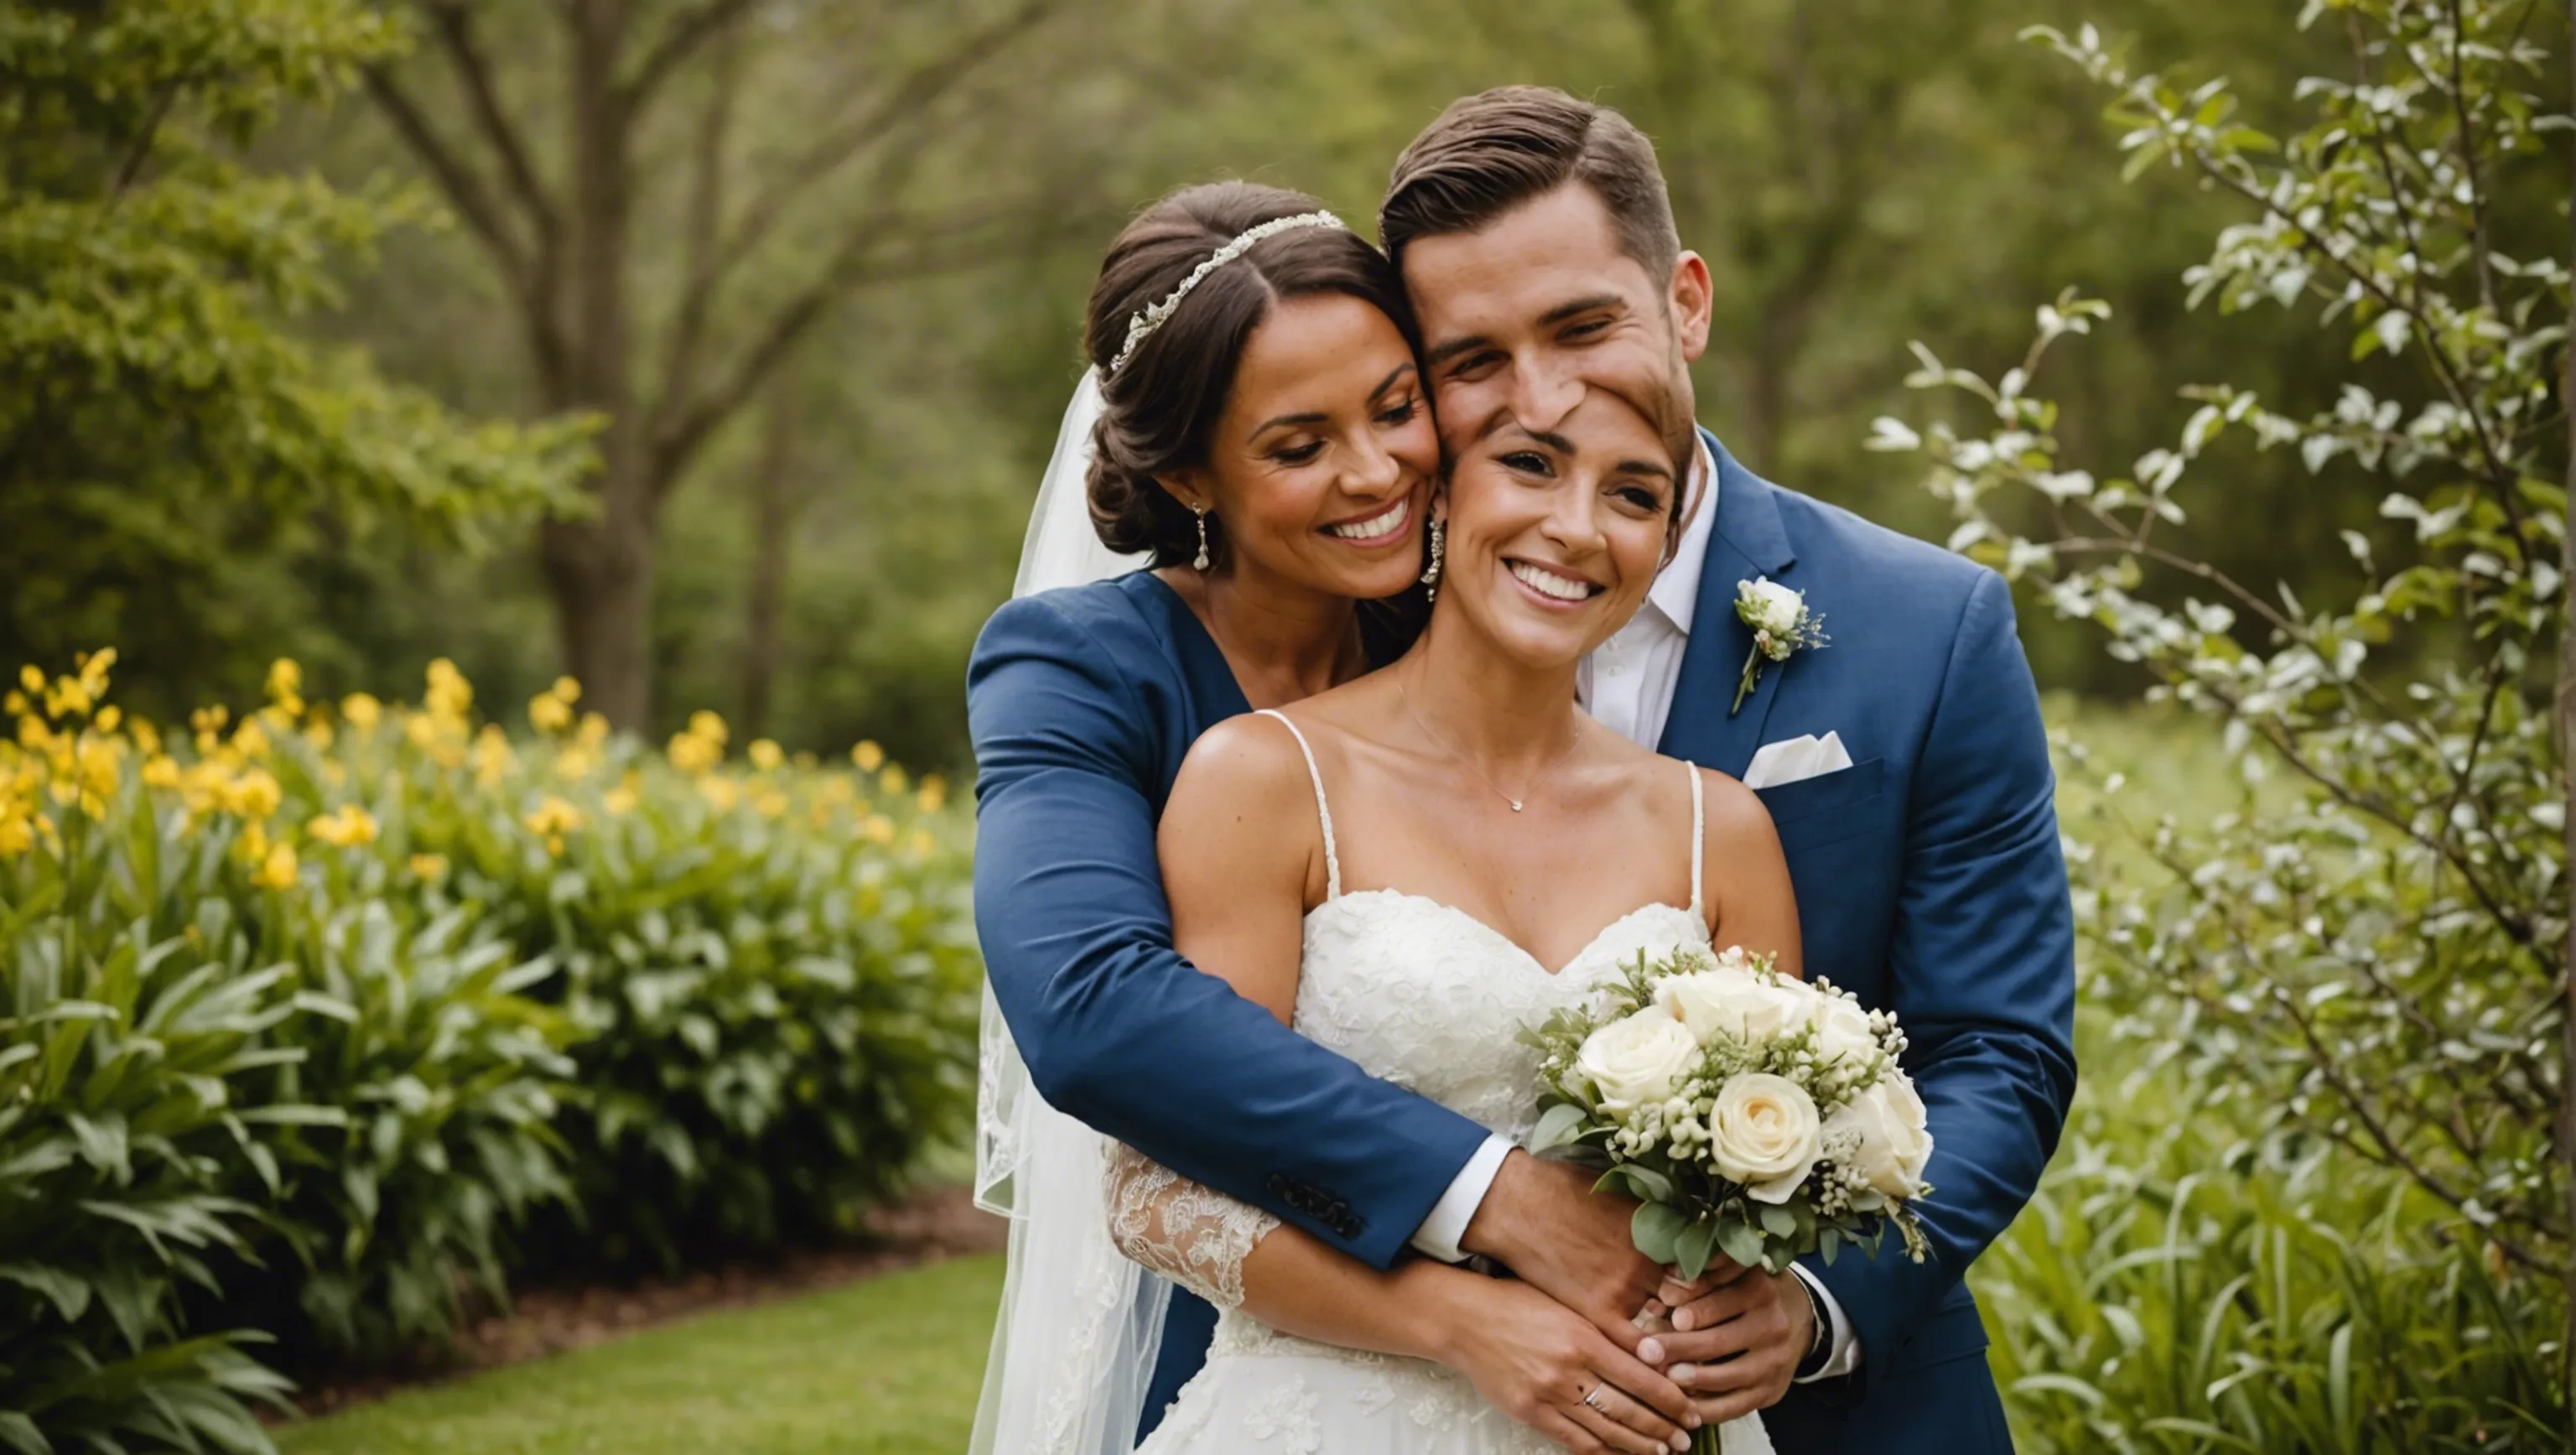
1522	316
1321	466
1554	536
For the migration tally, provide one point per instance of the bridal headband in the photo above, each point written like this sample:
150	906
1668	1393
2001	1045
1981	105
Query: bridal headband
1142	326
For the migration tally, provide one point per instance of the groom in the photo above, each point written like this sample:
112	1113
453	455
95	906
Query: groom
1904	766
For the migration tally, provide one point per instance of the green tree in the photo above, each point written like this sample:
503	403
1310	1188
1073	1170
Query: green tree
168	443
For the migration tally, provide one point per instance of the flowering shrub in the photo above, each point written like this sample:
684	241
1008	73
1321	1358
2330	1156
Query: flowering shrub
317	1021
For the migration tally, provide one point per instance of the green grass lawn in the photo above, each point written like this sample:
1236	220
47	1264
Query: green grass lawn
886	1367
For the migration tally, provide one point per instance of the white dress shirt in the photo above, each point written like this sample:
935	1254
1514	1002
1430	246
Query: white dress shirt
1627	685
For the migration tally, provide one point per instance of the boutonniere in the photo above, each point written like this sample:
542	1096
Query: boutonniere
1781	625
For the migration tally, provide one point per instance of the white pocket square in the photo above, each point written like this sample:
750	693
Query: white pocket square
1794	759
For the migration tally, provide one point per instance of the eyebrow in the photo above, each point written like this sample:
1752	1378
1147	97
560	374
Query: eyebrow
1559	314
1316	417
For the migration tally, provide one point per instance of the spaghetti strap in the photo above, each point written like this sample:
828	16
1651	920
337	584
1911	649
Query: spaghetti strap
1324	810
1699	841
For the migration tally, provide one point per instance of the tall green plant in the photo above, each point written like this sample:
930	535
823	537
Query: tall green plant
2383	956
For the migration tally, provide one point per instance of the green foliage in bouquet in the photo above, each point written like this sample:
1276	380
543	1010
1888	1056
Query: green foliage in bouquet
318	1025
1780	1069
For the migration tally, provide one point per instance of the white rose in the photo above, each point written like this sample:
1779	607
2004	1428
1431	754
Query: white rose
1736	1002
1702	1000
1637	1060
1763	1132
1895	1139
1776	608
1842	1030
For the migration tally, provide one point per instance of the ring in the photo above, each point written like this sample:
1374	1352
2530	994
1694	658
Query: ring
1594	1398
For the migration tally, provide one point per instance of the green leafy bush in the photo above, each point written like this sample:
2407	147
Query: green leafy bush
316	1027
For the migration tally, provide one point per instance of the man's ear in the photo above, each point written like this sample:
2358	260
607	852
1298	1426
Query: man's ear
1692	297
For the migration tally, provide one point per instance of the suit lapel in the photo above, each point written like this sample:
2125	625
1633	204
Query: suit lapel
1745	541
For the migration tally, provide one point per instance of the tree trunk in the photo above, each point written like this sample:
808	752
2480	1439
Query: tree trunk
601	570
772	512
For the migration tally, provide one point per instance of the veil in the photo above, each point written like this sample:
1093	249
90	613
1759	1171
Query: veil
1079	1327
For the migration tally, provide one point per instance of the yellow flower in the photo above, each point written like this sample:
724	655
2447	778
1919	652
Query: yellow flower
30	678
349	827
161	771
594	730
721	792
549	713
102	764
16	704
879	829
708	726
429	866
621	800
892	780
766	756
286	686
567	689
868	756
553	818
770	804
17	834
691	753
107	719
362	711
250	739
319	734
492	756
449	695
934	793
574	764
146	737
254	796
277	870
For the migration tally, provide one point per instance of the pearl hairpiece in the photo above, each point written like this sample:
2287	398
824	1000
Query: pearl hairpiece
1142	326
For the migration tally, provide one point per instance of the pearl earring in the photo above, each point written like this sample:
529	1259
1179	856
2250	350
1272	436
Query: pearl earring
1431	573
1200	562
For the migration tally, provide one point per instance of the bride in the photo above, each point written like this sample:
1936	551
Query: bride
1409	869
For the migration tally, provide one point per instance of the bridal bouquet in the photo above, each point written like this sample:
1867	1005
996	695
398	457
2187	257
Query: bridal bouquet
1752	1113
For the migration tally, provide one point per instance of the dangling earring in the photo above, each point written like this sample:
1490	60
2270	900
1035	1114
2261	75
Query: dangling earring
1200	562
1431	573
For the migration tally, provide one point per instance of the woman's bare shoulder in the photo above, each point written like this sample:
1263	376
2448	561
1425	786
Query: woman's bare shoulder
1252	760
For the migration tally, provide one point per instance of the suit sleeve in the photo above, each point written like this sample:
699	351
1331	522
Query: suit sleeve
1117	1028
1981	973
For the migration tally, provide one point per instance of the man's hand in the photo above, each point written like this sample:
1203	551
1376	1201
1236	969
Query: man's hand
1542	1220
1735	1348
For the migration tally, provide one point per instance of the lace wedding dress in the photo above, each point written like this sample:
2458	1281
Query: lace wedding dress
1429	997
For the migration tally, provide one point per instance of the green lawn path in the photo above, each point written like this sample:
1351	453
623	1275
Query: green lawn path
889	1366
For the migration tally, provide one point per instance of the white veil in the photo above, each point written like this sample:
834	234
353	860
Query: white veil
1079	1327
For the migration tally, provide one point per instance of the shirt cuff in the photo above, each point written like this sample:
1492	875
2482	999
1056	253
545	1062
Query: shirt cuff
1441	1230
1846	1340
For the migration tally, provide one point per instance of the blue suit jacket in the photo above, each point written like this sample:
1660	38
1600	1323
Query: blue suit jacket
1929	878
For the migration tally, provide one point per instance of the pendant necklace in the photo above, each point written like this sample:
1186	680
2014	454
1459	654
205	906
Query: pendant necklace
1464	761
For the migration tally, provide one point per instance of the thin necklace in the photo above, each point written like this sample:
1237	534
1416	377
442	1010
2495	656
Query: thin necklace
1469	764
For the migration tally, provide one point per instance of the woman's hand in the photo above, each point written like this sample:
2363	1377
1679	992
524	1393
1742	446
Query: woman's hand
1549	1368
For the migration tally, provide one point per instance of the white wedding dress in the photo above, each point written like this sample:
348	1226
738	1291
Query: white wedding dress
1431	998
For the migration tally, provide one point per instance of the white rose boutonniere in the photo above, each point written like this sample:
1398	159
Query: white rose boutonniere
1781	624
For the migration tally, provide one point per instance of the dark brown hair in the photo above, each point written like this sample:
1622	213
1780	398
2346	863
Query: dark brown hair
1491	152
1163	406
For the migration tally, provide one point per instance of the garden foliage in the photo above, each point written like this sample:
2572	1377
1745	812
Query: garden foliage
320	1025
2375	948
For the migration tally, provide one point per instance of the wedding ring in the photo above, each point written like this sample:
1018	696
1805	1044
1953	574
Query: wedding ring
1594	1398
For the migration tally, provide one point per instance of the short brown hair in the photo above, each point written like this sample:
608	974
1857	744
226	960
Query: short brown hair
1160	410
1491	152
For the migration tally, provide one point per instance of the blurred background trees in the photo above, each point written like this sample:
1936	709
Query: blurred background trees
812	273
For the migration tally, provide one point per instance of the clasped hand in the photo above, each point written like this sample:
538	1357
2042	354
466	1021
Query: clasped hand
1728	1343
